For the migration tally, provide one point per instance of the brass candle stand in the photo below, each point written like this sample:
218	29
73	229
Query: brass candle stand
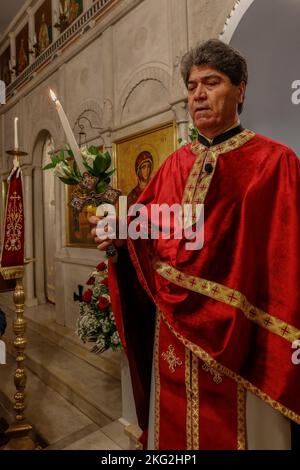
19	430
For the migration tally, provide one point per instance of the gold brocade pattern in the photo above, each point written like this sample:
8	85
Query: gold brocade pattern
199	181
241	418
192	399
14	220
189	438
157	381
199	352
230	297
217	378
171	358
195	402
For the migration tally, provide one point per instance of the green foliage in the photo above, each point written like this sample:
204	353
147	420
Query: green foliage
95	162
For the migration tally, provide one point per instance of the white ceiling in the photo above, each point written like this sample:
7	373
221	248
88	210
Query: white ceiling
8	9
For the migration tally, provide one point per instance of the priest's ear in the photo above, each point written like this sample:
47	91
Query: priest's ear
241	95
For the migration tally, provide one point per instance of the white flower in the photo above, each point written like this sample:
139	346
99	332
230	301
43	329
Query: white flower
115	338
88	157
62	170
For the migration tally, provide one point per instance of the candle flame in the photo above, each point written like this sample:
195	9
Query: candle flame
53	95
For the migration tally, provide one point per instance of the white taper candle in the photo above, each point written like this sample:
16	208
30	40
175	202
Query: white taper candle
69	133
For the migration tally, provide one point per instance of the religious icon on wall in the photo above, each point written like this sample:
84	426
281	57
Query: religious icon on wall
136	158
4	67
22	49
69	10
43	26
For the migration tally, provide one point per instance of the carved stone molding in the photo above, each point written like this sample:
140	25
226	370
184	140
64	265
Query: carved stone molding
149	73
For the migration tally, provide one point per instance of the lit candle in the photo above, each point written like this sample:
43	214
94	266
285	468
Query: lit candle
69	134
34	39
16	146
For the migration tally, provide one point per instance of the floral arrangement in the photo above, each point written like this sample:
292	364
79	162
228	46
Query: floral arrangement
96	322
192	135
93	186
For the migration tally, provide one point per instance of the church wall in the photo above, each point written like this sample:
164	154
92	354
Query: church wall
128	73
207	18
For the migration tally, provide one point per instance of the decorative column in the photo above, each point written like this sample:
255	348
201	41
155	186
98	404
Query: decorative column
182	119
31	33
108	90
12	39
39	237
3	183
29	252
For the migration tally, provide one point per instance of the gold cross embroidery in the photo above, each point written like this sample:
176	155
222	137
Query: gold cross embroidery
171	358
217	378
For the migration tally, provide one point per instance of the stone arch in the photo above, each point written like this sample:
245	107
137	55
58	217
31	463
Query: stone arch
154	73
88	105
269	106
238	11
39	134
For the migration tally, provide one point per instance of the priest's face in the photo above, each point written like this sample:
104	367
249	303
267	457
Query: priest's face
213	100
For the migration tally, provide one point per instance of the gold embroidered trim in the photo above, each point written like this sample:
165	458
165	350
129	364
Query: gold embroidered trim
188	388
198	182
195	402
157	381
241	418
171	358
14	217
196	177
237	378
217	378
230	297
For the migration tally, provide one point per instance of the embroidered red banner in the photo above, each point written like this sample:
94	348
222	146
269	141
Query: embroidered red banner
13	235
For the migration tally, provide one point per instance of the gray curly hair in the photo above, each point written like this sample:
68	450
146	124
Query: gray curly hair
221	57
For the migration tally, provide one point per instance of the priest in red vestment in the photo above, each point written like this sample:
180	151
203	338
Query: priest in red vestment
220	323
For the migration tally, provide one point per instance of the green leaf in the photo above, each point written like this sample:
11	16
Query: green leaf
70	152
49	166
93	150
55	159
61	155
99	165
107	158
101	187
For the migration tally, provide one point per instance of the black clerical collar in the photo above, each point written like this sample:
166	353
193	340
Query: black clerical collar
219	139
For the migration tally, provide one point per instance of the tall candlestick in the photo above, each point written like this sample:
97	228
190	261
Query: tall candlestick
68	131
16	146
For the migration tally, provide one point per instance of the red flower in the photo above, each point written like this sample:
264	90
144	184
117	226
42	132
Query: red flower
87	295
105	282
103	302
91	281
101	266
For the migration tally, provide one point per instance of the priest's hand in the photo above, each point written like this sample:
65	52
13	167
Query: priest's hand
104	233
